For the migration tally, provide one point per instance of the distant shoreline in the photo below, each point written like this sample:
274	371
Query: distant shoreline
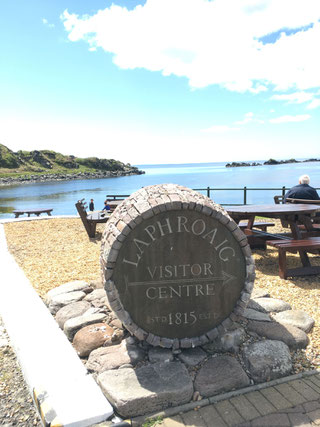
268	162
29	179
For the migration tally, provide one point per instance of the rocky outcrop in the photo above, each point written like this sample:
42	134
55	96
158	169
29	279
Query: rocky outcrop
46	165
241	164
268	162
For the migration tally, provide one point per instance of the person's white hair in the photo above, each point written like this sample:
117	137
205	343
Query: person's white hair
304	179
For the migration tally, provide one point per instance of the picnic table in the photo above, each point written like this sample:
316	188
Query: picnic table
28	211
114	203
301	240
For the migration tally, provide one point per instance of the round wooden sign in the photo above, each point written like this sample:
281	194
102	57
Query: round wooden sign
176	267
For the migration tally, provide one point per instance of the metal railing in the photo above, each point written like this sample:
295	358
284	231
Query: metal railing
209	191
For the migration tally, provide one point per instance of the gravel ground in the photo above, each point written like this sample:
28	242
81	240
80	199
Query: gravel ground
17	408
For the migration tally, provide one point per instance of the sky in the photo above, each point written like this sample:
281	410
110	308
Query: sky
161	81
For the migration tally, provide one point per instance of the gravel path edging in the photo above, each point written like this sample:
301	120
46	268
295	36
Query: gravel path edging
36	218
61	387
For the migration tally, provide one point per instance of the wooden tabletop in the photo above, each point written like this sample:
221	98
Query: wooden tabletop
272	210
99	216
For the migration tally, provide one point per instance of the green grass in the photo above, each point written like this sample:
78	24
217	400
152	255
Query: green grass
153	422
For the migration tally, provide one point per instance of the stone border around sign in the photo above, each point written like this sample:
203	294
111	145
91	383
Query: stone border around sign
145	204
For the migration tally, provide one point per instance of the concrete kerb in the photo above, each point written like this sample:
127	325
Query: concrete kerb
171	412
64	393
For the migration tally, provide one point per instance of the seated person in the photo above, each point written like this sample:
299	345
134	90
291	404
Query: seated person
106	206
303	190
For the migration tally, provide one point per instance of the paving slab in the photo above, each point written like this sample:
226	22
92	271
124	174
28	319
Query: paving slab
229	414
276	398
311	406
315	416
312	385
297	408
211	416
316	380
263	406
291	394
272	420
173	422
304	389
193	419
299	419
244	407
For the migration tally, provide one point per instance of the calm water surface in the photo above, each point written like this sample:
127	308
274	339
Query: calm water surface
62	195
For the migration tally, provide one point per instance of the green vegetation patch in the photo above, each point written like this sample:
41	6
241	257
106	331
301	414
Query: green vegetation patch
153	422
47	162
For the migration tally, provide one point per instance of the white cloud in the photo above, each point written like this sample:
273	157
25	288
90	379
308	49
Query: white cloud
296	97
210	42
46	22
299	98
315	103
286	119
219	129
249	118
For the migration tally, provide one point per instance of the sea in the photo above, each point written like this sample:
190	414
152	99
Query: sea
226	185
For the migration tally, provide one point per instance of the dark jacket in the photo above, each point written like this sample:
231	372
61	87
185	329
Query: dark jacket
302	191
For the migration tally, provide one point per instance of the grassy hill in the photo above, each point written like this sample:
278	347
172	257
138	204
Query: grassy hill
47	162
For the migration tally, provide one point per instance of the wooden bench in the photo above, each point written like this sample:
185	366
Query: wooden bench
257	224
115	200
309	244
254	241
91	220
278	199
116	196
37	212
316	218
